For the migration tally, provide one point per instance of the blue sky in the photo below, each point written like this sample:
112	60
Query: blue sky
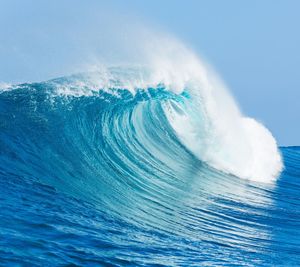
254	45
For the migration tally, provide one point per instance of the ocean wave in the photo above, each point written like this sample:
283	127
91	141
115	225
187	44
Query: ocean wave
198	114
117	170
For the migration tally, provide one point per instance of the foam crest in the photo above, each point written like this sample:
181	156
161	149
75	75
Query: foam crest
5	86
212	126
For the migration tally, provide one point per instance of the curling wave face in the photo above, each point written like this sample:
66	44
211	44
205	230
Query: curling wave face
191	101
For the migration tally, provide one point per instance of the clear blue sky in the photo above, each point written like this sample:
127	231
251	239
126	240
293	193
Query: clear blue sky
253	44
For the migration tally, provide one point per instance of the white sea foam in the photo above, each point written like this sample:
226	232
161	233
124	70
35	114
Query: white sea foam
211	126
5	86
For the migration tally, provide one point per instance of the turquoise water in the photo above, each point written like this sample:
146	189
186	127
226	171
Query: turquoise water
102	179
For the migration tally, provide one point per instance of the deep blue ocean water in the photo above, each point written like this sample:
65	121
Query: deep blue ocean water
102	180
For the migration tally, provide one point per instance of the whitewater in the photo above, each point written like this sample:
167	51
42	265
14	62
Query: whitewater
210	124
147	164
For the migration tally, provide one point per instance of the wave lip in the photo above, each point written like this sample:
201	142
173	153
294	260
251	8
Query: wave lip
211	125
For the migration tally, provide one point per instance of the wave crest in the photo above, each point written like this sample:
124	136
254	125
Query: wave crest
177	91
